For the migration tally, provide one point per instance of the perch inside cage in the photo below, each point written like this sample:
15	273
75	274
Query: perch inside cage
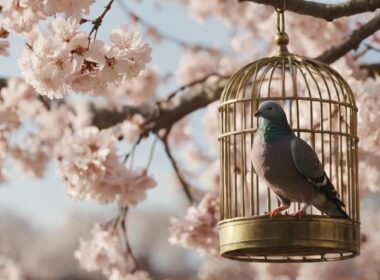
321	110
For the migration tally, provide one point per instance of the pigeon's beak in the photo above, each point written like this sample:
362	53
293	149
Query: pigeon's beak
257	114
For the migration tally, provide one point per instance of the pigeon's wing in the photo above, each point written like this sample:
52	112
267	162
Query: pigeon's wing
308	164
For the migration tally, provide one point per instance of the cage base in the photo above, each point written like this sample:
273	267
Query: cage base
289	239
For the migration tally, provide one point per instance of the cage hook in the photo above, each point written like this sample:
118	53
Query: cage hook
282	38
280	20
280	5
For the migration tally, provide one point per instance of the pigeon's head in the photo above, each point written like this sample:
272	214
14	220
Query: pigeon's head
271	111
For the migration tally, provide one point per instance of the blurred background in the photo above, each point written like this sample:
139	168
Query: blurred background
40	226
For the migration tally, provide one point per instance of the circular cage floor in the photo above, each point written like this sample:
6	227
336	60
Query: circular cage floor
289	239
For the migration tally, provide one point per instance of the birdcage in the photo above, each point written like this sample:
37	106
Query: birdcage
321	109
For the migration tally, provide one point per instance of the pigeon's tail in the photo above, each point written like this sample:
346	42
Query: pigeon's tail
333	210
332	205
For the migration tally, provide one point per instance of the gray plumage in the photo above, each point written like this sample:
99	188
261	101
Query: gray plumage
290	166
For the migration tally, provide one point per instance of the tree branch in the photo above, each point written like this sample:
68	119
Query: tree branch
165	113
186	187
373	69
328	12
352	42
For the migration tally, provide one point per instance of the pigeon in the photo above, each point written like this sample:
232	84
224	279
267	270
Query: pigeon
290	167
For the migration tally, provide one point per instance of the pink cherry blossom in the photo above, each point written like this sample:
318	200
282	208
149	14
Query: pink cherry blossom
69	7
196	65
87	80
31	159
20	98
237	14
197	230
180	132
48	62
81	114
210	122
242	43
210	176
61	59
218	268
91	169
89	165
21	16
4	148
125	57
139	183
3	175
228	65
136	91
132	50
194	155
313	42
53	124
104	251
10	270
9	120
137	275
130	130
110	62
203	10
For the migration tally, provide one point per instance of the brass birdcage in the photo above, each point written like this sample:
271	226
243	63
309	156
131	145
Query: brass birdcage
321	109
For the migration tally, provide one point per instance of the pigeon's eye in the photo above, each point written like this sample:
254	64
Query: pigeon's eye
270	108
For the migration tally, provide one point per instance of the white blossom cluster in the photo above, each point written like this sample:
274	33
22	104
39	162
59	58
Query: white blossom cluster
105	251
197	230
62	59
91	169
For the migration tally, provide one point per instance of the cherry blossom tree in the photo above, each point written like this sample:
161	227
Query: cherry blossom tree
80	98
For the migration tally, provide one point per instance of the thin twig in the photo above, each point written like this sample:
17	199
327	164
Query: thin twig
123	221
352	42
158	121
361	53
325	11
186	187
371	47
151	153
142	135
191	84
367	48
98	21
373	69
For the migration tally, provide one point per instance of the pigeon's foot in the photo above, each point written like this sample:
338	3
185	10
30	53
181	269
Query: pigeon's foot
277	211
299	213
